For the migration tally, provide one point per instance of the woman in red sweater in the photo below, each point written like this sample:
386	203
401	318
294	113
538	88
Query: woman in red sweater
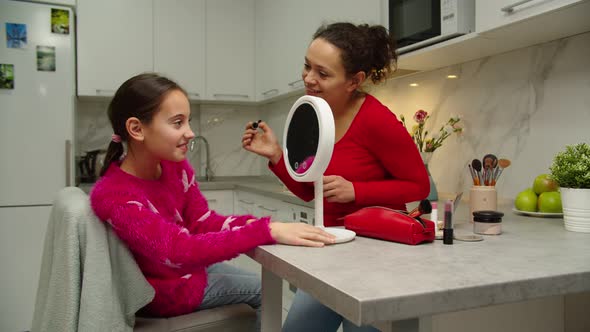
375	161
148	194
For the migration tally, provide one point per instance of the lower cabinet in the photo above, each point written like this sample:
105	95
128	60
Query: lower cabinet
221	201
261	206
278	210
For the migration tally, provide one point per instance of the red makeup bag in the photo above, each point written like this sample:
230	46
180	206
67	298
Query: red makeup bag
391	225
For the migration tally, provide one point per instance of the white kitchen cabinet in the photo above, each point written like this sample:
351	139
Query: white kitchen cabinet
230	50
532	23
256	205
278	210
285	28
115	42
179	43
490	14
221	201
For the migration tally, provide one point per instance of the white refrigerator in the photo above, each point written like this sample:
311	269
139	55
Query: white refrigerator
37	100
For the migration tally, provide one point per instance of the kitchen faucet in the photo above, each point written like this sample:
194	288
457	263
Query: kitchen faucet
208	172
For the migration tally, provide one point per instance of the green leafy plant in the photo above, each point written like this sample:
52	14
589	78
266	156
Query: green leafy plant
571	167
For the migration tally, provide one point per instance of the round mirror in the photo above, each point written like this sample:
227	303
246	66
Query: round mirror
303	135
308	141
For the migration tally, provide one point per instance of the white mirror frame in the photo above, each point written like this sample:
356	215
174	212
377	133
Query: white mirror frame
324	151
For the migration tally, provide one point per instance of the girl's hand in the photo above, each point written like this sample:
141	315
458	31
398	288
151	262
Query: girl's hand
300	234
338	190
262	142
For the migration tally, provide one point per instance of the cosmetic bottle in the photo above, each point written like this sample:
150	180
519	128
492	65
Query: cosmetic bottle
434	215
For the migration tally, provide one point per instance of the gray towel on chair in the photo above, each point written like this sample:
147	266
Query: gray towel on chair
89	280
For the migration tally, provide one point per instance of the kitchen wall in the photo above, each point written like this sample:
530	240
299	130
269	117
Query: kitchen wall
524	105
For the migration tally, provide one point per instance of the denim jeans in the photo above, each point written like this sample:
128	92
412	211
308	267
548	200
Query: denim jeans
309	315
227	284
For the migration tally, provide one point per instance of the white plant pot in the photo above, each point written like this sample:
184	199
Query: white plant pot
576	209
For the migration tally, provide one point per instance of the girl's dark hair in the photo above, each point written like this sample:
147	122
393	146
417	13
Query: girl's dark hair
140	97
366	48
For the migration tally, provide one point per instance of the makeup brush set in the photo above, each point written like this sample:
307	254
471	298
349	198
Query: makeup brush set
487	171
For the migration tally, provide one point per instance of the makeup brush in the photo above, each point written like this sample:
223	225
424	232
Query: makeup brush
423	208
474	177
476	164
502	163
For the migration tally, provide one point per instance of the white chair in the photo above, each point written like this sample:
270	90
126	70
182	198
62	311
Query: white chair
89	281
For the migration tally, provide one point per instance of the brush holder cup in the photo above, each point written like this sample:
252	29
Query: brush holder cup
482	198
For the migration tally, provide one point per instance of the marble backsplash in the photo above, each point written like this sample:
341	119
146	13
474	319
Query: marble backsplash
525	105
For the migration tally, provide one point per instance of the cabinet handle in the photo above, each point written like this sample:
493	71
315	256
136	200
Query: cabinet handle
510	8
231	95
245	202
270	92
292	84
68	163
211	200
267	209
193	94
105	92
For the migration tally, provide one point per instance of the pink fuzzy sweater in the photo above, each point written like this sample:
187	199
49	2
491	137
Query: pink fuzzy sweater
172	233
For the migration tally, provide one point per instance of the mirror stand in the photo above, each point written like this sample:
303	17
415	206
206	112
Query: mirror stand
318	186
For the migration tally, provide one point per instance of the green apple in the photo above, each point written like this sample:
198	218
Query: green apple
544	183
526	200
550	202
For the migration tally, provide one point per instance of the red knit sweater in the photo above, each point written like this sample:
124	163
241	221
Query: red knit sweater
378	156
172	233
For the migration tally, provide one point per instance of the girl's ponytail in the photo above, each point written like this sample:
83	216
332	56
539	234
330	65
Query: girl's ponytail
114	153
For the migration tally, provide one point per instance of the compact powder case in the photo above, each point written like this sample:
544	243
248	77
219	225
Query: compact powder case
487	222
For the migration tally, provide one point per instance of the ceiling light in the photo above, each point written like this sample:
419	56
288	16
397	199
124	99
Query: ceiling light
413	84
452	76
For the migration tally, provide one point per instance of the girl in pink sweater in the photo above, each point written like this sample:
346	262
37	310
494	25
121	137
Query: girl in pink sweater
148	194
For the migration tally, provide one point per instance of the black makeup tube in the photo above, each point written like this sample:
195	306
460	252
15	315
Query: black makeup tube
448	224
255	124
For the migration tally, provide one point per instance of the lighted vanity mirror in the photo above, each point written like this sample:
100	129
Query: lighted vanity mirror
308	143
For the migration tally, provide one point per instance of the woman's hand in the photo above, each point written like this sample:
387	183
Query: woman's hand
338	190
300	234
262	142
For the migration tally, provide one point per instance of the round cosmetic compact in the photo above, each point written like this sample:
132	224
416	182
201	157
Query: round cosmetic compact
487	222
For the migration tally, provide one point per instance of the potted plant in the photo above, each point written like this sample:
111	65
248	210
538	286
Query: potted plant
571	169
428	144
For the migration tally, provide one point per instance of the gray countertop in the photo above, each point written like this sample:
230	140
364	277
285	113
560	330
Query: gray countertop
369	280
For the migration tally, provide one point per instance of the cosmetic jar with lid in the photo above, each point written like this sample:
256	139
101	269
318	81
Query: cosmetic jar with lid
487	222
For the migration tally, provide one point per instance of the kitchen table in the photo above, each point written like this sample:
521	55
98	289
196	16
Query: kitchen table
393	285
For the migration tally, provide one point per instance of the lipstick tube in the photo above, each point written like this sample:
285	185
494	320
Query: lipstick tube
448	223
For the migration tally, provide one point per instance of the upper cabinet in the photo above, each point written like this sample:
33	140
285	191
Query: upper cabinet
494	14
230	50
502	26
115	42
285	28
179	39
207	46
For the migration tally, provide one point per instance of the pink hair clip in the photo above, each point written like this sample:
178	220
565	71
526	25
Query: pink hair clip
116	138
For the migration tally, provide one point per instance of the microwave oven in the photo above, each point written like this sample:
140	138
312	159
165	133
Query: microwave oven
420	23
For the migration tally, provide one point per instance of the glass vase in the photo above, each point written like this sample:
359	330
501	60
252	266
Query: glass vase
433	195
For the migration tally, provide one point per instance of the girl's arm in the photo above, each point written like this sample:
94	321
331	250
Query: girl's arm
148	234
196	215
